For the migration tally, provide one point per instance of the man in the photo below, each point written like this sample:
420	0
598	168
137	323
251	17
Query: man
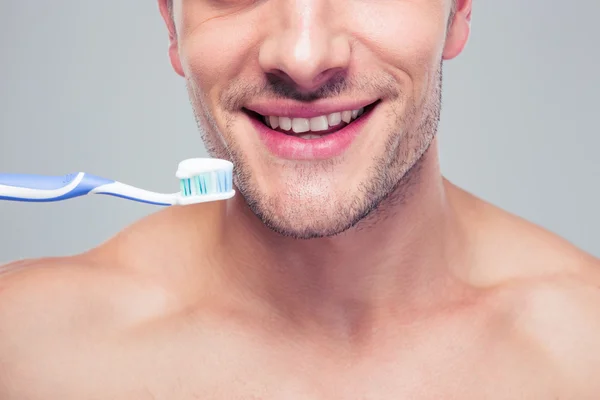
346	267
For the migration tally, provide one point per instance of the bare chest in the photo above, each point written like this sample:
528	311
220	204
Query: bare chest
173	366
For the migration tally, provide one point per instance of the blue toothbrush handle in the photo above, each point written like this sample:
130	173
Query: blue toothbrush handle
41	188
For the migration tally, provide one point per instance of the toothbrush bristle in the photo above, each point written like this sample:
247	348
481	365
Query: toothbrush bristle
208	183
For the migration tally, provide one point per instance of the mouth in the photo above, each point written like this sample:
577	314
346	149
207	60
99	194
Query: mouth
314	128
310	138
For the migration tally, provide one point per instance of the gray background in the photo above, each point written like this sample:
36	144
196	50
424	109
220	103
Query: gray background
87	86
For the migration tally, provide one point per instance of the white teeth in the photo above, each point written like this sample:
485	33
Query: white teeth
347	116
318	124
300	125
334	119
285	123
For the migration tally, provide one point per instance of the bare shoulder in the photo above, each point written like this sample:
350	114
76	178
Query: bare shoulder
558	317
547	287
561	306
129	278
64	286
47	303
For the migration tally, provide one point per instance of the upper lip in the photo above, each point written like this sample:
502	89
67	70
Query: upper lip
293	109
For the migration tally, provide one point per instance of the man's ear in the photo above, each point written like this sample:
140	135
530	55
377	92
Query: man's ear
167	16
459	29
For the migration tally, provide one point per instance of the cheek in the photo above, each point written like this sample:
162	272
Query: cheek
407	35
202	59
214	47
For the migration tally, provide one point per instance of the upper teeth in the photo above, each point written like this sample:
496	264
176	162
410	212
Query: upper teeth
316	124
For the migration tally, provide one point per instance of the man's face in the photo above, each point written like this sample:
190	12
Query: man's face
308	64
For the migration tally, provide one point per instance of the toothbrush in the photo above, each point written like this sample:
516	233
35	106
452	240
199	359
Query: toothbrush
201	180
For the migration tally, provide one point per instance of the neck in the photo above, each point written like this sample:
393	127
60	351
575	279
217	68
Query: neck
402	259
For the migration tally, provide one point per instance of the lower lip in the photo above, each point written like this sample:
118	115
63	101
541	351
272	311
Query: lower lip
295	148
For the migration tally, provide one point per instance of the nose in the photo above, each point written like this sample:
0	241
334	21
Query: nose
306	43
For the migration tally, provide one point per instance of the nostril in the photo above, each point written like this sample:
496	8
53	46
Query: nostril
327	83
332	76
279	78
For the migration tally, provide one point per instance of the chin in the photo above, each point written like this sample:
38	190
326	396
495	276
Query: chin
300	214
304	229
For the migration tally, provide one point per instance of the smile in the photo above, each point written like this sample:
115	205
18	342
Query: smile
313	128
306	137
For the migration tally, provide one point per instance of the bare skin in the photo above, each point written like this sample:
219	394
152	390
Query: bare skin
152	315
435	294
